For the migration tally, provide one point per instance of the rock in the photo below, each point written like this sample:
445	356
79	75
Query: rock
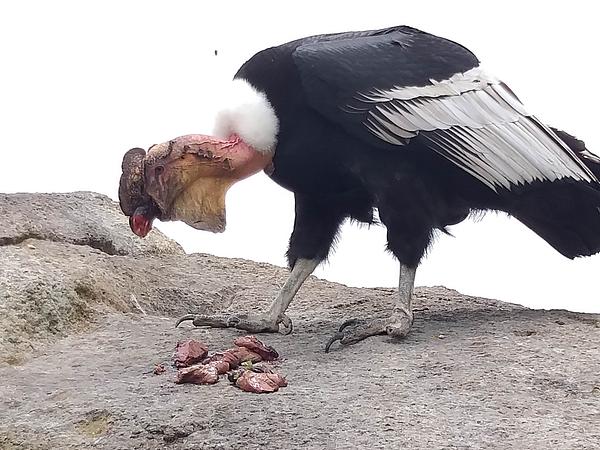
75	352
80	218
65	257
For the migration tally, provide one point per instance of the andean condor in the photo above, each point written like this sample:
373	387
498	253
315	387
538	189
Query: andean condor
396	120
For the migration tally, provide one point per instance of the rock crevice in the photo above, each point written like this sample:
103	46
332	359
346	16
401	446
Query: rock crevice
102	244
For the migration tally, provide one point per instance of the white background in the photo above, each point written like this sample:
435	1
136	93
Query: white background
82	82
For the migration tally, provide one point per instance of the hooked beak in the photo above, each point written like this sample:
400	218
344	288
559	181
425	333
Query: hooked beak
141	221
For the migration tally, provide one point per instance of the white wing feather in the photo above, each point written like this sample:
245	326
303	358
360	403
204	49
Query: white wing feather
475	121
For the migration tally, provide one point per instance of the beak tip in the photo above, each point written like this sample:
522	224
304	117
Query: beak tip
140	225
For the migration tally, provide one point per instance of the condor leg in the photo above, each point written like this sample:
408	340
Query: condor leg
397	325
409	231
315	227
271	319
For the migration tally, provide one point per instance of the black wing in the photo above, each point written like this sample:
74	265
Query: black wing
391	86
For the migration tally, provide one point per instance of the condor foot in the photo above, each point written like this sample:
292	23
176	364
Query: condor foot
249	322
355	330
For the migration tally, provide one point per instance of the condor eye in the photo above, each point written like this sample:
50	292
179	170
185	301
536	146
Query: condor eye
159	170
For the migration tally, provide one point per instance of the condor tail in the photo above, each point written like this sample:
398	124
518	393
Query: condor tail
565	213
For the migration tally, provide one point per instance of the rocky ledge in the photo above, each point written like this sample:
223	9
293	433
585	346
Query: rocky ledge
87	309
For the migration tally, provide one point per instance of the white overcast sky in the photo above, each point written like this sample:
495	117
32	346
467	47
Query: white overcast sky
82	82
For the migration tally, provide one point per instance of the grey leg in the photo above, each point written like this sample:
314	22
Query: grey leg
396	325
402	315
301	271
266	322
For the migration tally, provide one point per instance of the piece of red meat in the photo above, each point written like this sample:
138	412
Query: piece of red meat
267	353
189	352
198	374
260	382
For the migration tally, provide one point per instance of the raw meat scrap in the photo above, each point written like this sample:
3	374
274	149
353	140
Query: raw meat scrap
267	353
258	382
189	352
198	374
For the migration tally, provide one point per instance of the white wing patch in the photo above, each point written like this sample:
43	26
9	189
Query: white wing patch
475	121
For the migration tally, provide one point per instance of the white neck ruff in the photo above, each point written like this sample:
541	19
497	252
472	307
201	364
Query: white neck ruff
247	113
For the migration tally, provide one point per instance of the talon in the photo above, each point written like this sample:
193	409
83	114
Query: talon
184	318
287	324
336	337
355	330
349	323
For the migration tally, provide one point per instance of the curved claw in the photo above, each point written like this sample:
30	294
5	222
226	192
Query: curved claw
361	329
184	318
349	323
340	332
336	337
287	324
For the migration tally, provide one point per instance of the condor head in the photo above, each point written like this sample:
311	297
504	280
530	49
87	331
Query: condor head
133	199
185	179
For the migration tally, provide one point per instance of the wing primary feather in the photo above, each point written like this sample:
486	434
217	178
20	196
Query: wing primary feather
506	167
515	144
382	134
460	162
557	155
389	126
405	121
497	168
509	98
471	158
436	112
554	166
423	111
566	148
529	172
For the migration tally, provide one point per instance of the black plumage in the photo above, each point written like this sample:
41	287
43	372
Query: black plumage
324	92
394	120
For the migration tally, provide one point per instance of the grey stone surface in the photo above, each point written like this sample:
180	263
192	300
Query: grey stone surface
81	329
49	281
81	218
